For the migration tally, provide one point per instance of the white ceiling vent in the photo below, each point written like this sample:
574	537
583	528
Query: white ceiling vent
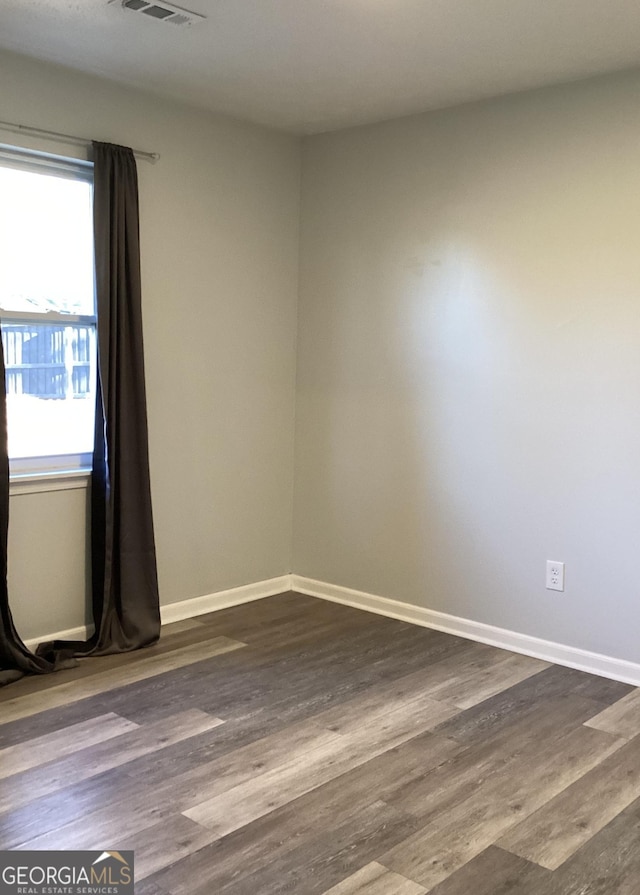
163	12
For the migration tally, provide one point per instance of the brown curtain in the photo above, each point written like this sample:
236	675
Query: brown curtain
124	579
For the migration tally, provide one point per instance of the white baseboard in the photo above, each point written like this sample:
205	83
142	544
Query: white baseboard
81	633
176	612
558	653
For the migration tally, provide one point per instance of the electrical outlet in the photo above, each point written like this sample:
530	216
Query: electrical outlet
555	575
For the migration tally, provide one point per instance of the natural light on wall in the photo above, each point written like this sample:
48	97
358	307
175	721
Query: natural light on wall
48	312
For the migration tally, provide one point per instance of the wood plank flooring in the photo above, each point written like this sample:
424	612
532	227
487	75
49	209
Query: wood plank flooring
293	745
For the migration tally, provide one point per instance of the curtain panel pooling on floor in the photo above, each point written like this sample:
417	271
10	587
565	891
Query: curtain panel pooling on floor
125	597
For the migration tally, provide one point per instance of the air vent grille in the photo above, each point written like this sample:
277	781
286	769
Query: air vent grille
163	12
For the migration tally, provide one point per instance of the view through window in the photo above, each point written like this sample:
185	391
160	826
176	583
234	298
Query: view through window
47	308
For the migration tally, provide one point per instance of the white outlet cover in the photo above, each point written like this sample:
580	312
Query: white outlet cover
555	575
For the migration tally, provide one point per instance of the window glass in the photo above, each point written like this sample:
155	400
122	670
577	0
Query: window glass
47	308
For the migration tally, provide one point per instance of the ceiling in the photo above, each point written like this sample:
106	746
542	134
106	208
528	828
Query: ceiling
308	66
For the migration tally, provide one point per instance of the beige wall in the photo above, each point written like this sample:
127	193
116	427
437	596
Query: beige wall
49	587
219	242
469	362
468	400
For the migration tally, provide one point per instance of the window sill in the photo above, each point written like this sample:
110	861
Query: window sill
57	480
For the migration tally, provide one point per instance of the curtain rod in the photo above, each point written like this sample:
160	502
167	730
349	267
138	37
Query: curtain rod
66	138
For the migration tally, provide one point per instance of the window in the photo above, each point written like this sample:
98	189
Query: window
47	307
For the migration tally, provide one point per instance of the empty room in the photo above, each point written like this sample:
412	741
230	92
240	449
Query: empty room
320	447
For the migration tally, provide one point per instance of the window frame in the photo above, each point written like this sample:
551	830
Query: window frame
61	471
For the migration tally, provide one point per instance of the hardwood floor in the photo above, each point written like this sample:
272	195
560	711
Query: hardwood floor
293	745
